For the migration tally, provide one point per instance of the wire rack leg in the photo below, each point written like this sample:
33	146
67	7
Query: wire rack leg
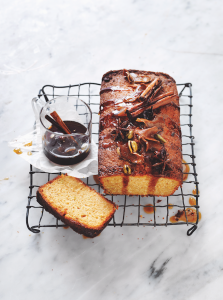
29	200
191	230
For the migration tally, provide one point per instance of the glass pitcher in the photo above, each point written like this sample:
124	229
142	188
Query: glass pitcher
58	146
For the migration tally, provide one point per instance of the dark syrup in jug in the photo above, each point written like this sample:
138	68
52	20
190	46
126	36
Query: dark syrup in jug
63	149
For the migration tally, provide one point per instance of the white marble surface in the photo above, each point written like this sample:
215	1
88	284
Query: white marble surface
67	42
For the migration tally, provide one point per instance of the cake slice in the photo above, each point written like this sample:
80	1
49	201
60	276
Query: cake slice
76	204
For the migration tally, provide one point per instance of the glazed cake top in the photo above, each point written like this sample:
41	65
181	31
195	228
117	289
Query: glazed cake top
155	144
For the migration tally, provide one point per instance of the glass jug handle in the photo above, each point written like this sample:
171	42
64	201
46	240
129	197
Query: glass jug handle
37	105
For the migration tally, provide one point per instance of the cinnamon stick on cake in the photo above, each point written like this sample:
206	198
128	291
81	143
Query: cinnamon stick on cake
140	149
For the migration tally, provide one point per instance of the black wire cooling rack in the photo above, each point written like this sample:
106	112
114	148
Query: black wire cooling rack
130	212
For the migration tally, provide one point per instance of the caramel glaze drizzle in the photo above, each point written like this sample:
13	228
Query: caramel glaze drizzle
17	151
152	187
192	201
114	89
125	181
149	209
191	216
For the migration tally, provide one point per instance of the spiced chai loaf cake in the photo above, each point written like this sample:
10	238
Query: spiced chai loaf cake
76	204
140	148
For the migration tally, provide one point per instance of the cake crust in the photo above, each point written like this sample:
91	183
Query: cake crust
116	90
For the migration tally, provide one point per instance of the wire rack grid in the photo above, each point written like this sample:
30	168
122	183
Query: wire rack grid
130	212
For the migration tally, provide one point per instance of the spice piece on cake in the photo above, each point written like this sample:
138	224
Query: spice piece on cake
127	170
130	134
133	147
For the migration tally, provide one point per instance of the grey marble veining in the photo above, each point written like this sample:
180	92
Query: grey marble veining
68	42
